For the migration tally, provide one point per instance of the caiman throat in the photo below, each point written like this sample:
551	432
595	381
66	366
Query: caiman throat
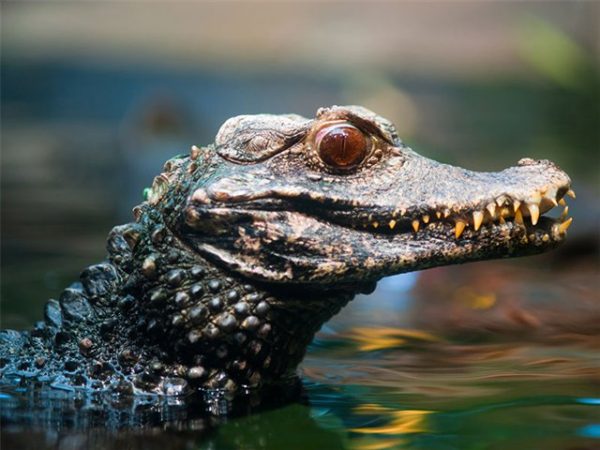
245	247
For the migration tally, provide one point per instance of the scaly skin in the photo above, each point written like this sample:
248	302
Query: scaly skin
247	246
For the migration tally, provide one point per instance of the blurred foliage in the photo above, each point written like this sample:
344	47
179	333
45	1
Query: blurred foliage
555	56
574	112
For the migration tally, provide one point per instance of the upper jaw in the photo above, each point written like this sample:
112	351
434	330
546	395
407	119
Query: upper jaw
443	195
438	194
525	210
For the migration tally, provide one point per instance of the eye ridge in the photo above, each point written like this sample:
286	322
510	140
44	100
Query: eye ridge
342	146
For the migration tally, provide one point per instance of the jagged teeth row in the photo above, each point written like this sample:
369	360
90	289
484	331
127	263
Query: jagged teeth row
500	209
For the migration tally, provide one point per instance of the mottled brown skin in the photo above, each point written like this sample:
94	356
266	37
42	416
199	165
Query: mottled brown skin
245	247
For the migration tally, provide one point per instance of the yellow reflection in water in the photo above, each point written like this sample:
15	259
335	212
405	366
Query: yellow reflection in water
402	422
473	299
371	339
370	408
378	444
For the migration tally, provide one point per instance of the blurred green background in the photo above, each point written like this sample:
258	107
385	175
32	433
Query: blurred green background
95	96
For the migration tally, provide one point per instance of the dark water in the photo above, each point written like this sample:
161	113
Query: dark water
487	356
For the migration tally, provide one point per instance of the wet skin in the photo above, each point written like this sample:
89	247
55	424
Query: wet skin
245	247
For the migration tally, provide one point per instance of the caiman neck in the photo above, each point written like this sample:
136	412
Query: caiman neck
158	317
191	319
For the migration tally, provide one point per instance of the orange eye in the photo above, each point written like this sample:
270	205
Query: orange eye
342	145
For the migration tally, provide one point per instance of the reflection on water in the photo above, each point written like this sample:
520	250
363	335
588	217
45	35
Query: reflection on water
440	361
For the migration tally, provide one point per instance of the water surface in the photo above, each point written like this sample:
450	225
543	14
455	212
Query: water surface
485	356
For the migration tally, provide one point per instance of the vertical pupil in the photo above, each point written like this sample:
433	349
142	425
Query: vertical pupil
341	146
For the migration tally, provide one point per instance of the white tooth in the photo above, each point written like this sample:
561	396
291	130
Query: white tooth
459	228
518	217
425	218
392	224
415	225
563	227
571	193
477	219
491	209
534	212
446	213
551	196
565	213
501	200
516	205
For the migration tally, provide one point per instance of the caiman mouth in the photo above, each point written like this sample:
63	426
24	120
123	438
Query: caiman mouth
282	231
276	237
496	214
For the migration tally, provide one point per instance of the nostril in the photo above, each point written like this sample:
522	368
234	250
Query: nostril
536	162
527	162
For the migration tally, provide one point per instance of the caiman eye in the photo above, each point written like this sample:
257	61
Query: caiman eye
342	146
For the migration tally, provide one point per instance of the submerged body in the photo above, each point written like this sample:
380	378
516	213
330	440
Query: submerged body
245	247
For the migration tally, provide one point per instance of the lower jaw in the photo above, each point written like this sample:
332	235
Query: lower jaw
546	229
439	246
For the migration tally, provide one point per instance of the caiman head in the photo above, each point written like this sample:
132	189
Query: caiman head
341	200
